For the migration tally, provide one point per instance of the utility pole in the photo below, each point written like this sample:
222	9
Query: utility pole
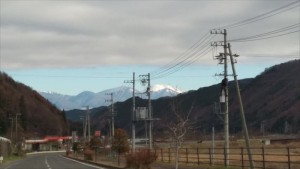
224	90
133	115
82	118
146	78
244	124
17	114
12	126
87	125
111	100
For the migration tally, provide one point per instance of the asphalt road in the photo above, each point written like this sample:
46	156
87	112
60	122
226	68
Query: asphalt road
48	161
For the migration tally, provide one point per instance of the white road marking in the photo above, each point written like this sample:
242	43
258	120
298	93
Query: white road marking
89	165
46	162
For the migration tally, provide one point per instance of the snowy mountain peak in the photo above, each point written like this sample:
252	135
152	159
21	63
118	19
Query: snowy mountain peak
159	87
98	99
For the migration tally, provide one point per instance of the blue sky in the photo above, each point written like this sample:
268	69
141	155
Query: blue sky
74	81
74	46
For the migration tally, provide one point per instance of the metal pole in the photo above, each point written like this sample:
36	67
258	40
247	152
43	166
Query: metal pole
112	115
17	114
226	119
12	128
89	124
241	110
213	144
85	126
133	114
150	112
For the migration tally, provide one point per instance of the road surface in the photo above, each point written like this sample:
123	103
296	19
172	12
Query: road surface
48	161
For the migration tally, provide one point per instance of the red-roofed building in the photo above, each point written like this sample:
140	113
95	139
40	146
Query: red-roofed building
48	143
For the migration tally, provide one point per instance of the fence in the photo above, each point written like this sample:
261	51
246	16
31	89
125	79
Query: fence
264	158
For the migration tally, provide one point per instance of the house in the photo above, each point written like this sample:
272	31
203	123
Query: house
48	143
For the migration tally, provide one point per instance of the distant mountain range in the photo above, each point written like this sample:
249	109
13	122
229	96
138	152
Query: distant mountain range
271	102
92	99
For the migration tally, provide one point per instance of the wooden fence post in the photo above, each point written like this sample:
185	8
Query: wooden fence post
225	159
263	157
161	155
186	155
289	158
169	155
209	149
198	156
242	154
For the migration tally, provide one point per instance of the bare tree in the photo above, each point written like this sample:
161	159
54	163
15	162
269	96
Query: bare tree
179	128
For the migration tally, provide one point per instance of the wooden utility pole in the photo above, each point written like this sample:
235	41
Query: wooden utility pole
17	114
242	113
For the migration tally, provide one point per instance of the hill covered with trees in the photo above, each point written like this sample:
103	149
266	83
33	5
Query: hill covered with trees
35	115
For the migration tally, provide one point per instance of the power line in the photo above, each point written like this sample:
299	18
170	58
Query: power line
183	57
262	16
191	58
196	56
69	76
267	35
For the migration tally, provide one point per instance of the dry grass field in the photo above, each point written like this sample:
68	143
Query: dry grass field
274	156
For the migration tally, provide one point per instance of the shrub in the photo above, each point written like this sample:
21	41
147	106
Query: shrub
140	160
68	152
88	154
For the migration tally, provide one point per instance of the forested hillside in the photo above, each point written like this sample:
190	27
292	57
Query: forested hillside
35	115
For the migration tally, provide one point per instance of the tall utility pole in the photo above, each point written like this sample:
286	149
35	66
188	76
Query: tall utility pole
146	78
17	114
111	100
133	115
244	124
224	91
12	126
87	125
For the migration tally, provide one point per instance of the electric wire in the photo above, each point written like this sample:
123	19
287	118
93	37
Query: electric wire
180	62
181	57
188	63
262	16
192	57
267	35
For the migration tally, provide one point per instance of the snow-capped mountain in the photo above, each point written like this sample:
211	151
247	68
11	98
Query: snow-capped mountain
92	99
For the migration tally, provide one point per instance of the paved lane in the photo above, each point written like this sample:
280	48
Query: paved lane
48	161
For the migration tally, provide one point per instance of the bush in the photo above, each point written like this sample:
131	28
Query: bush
140	160
68	152
88	154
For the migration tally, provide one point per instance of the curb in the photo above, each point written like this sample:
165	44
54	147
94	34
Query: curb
94	163
45	152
